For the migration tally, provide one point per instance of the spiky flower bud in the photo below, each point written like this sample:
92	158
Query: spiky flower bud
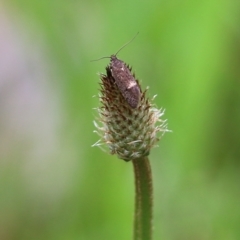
128	132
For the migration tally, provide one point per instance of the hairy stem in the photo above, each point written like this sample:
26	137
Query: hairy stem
143	199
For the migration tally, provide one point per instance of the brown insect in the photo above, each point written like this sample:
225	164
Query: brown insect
124	79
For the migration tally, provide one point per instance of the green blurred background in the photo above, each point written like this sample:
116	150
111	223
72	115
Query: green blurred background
53	184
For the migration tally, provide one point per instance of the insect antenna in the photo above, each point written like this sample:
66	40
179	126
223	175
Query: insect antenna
118	50
126	44
99	59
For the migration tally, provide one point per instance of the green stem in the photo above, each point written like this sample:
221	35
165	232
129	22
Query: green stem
143	199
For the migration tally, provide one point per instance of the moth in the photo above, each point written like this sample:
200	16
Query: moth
124	79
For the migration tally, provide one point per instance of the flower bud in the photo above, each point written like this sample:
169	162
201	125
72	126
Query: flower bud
128	132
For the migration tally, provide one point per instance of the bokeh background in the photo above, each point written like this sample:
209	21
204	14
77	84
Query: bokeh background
53	184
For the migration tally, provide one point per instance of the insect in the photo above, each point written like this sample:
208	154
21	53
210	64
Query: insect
124	79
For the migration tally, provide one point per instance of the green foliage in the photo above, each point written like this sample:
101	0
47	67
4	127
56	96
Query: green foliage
53	185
